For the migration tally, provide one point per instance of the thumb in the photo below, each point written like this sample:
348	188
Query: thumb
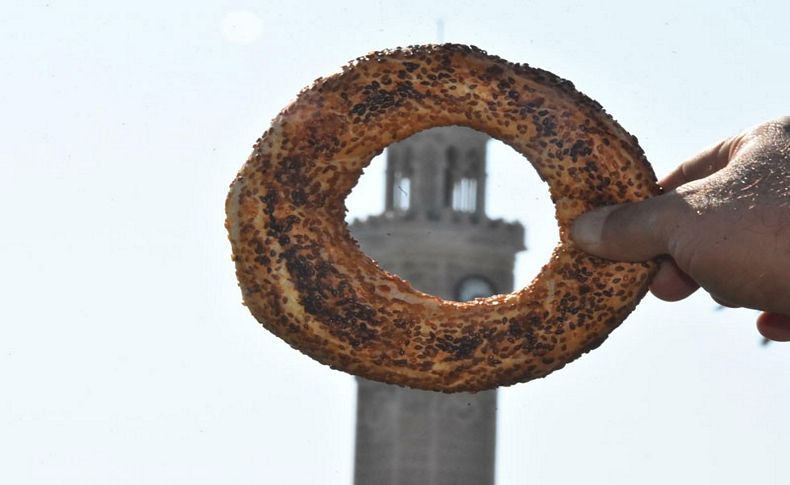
635	231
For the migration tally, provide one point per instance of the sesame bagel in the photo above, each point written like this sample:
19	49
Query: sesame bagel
304	278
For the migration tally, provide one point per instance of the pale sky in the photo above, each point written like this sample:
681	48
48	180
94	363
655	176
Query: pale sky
125	353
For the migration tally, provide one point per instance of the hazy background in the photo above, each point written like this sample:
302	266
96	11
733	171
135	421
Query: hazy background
125	353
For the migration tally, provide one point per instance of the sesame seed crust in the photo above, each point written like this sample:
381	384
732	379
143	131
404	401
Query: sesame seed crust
304	278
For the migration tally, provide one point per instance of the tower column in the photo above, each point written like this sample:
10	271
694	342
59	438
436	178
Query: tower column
411	437
424	176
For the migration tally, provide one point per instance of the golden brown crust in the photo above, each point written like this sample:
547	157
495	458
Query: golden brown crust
304	278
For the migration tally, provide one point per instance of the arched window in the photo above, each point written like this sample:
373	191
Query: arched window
460	183
401	185
465	195
401	193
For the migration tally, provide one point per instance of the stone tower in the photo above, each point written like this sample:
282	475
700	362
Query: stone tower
434	232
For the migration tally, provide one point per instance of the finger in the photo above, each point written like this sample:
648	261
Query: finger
774	326
636	231
670	282
701	165
723	302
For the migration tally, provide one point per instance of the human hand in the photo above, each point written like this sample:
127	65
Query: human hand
723	224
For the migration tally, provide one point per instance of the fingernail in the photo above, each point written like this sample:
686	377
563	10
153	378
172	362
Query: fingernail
587	231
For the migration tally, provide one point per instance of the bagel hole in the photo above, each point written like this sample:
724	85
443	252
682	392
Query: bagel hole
423	241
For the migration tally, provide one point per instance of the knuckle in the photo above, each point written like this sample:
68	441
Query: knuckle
781	125
784	124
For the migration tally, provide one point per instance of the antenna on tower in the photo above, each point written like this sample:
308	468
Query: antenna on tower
440	30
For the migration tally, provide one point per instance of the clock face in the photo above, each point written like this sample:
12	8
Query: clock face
474	287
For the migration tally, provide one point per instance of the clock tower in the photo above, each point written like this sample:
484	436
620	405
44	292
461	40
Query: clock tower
434	232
